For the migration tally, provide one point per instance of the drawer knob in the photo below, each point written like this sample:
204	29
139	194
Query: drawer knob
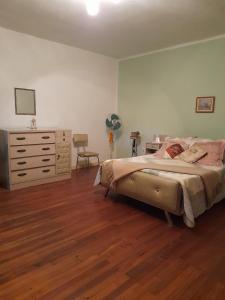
45	171
20	138
21	150
22	174
21	163
46	159
45	137
45	149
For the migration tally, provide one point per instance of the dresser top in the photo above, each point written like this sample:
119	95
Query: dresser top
27	129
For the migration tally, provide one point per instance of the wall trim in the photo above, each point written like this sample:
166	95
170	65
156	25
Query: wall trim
217	37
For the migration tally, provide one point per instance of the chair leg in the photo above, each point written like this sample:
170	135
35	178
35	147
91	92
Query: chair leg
98	160
77	161
168	218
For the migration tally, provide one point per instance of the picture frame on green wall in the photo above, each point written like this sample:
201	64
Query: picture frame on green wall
205	104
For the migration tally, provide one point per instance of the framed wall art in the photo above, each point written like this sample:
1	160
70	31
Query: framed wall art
205	104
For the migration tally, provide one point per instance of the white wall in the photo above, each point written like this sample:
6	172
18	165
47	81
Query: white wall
75	89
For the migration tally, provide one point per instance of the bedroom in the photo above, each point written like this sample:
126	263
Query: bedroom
146	61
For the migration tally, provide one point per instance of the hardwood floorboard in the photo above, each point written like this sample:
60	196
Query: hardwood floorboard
66	241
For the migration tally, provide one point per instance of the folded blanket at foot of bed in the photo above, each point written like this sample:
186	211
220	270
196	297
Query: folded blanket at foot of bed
166	184
114	170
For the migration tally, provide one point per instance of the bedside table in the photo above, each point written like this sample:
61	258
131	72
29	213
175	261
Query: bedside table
152	147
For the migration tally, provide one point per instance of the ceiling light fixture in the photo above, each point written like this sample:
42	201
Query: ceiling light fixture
93	6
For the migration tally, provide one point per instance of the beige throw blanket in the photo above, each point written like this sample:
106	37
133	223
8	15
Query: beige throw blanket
117	169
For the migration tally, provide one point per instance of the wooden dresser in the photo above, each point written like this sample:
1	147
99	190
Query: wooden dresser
32	157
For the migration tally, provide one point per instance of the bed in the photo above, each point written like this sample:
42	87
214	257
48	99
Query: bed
174	192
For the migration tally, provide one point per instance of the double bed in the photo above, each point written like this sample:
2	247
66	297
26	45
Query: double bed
174	192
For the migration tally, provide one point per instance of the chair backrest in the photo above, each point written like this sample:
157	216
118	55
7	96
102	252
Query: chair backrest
80	141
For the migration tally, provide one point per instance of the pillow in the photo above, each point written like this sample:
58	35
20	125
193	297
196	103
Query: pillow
162	151
215	153
191	155
187	140
173	150
201	140
204	140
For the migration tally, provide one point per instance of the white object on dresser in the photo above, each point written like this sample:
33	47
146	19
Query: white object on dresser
32	157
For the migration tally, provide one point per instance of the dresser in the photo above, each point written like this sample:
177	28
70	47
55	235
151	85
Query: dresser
32	157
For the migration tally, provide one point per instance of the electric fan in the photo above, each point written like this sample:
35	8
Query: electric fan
113	123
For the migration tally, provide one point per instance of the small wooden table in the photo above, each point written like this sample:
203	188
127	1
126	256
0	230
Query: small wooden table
152	147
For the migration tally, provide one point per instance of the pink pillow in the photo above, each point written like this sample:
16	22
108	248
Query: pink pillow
203	140
215	152
162	151
187	140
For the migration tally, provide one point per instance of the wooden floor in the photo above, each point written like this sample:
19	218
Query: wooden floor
65	241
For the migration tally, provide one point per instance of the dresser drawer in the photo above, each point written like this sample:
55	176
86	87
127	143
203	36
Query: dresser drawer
32	174
32	150
31	138
32	162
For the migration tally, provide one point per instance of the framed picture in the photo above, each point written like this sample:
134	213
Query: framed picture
205	104
25	102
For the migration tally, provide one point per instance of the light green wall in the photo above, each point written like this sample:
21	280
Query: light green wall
157	93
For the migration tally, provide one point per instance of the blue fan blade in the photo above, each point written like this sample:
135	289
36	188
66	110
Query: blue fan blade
108	123
114	117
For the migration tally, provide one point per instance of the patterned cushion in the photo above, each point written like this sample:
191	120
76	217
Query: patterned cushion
173	150
193	154
161	153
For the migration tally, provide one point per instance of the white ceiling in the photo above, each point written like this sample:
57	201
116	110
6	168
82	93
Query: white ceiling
120	30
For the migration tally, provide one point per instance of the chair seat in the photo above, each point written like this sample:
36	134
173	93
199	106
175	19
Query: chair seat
88	154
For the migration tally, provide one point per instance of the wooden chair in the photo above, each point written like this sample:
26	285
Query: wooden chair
81	142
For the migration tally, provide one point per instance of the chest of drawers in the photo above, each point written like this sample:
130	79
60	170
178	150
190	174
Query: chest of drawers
29	157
